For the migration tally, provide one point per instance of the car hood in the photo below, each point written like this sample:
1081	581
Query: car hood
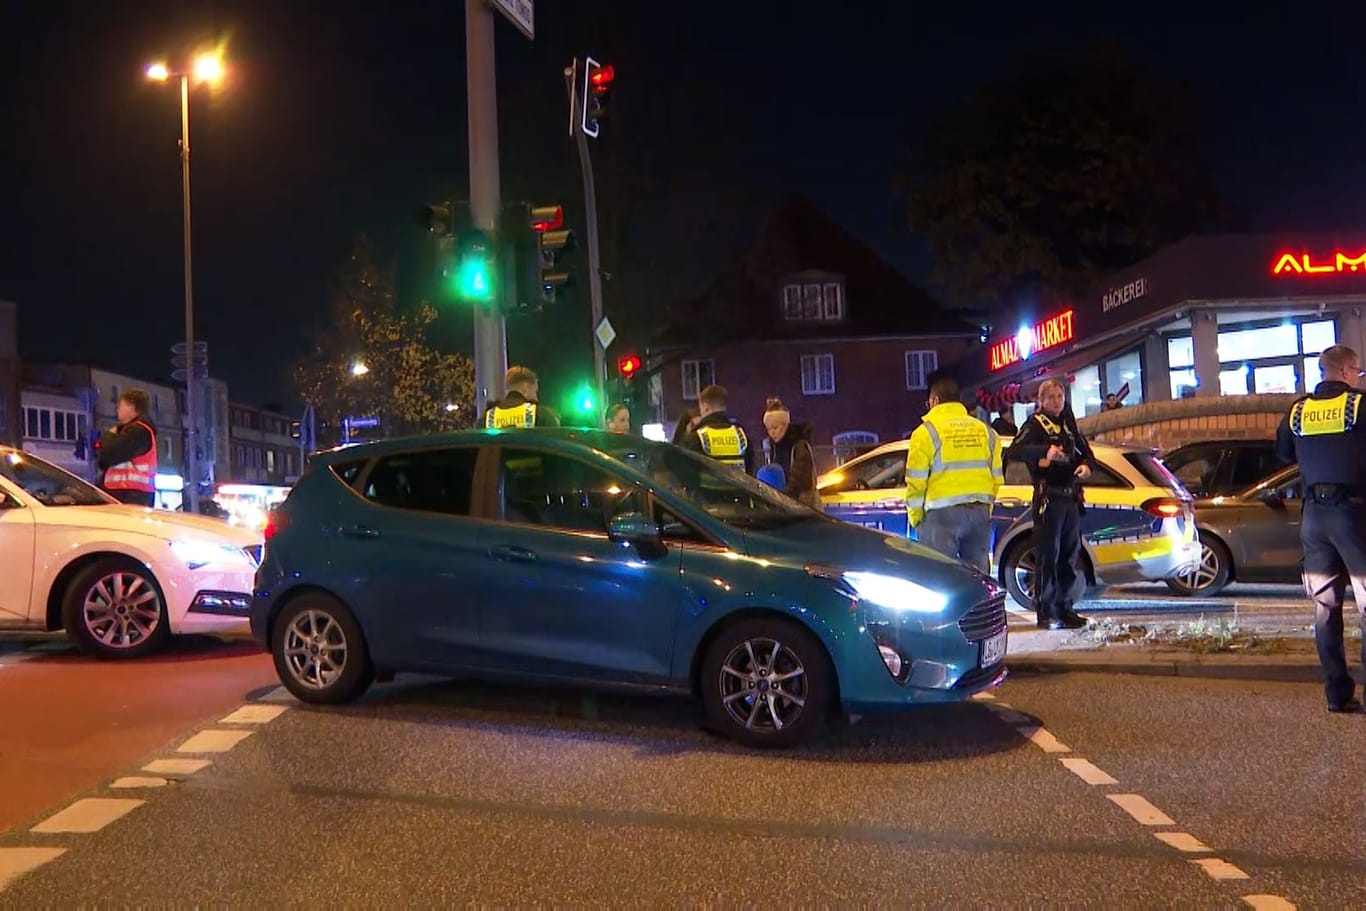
158	523
853	548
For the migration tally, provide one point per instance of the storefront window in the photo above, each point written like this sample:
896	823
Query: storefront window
1317	337
1086	397
1127	369
1312	376
1233	382
1277	378
1261	359
1183	383
1180	352
1255	344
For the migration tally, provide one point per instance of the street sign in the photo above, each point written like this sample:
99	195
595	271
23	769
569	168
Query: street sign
605	333
360	423
521	13
200	348
200	373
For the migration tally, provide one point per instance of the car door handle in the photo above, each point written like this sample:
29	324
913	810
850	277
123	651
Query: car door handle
358	531
513	554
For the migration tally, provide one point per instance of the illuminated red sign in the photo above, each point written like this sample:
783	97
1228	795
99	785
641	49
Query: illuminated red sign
1305	264
1048	333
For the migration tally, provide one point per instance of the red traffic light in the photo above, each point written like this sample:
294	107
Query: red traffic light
629	365
601	77
546	218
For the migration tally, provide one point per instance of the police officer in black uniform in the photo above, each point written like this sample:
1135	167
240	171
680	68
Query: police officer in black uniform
1326	433
1057	456
719	435
519	408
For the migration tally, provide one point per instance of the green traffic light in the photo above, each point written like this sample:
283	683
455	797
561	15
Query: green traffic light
474	269
584	400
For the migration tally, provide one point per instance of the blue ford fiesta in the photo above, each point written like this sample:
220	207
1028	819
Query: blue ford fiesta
610	561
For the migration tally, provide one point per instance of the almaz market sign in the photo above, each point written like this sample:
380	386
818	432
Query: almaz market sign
1048	333
1288	263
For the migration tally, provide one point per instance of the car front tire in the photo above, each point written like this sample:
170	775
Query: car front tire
766	683
320	652
114	608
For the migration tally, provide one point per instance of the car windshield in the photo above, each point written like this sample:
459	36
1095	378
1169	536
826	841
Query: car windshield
49	484
727	494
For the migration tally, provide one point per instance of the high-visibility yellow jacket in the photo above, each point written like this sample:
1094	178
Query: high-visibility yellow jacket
953	458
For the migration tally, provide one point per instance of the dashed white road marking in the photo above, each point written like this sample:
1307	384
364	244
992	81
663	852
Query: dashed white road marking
89	814
15	862
1142	811
1268	903
213	741
255	714
139	781
1219	869
176	766
1086	771
1183	841
1044	740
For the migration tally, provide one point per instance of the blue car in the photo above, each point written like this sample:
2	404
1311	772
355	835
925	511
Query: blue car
610	561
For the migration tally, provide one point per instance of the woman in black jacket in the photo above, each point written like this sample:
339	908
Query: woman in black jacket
790	449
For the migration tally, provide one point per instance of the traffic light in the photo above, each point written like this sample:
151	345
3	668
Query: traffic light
439	220
295	430
629	366
475	268
552	241
597	88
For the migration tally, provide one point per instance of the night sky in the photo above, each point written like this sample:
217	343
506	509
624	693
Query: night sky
344	117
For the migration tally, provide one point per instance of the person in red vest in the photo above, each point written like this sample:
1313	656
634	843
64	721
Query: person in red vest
128	452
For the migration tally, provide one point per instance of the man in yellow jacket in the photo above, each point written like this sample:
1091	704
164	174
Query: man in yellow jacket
953	470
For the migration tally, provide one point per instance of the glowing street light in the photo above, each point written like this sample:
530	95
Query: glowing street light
158	72
451	406
208	68
359	368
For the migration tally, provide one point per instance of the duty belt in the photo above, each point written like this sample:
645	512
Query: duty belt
1070	493
1336	494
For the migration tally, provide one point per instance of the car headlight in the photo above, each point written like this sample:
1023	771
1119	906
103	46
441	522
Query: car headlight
896	593
198	554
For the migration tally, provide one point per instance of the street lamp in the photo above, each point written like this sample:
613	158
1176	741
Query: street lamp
359	369
208	68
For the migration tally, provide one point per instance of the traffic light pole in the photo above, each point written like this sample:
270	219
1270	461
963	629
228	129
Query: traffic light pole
490	329
191	460
590	208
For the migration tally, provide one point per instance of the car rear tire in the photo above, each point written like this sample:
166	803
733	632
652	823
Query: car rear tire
1213	574
319	651
766	683
114	609
1017	571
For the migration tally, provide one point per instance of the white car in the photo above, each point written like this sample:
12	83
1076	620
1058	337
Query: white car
119	579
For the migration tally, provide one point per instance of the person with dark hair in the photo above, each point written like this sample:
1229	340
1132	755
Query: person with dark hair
127	452
790	449
687	423
718	435
953	470
618	418
520	408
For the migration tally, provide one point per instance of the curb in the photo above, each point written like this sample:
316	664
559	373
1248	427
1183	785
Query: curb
1305	670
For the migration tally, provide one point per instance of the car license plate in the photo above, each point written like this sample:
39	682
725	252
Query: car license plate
994	649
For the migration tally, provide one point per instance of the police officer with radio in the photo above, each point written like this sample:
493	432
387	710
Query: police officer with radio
1057	456
1325	432
520	408
719	435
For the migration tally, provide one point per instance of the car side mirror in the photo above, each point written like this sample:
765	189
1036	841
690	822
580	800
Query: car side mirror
634	528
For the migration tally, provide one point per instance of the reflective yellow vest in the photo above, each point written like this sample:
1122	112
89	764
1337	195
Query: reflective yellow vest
953	458
726	445
503	418
1317	417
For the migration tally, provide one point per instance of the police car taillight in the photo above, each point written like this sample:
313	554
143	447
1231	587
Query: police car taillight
1164	508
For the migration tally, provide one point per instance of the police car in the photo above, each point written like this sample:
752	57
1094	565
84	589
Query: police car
1138	526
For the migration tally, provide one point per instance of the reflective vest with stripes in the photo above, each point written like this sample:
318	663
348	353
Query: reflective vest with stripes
953	459
726	445
138	474
1315	417
1330	441
512	416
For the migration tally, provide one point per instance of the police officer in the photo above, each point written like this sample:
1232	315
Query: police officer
719	435
1056	453
953	470
519	408
1326	433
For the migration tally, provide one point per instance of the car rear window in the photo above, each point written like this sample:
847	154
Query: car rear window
348	472
1154	472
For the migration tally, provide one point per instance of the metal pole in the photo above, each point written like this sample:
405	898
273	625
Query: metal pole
590	211
490	329
191	411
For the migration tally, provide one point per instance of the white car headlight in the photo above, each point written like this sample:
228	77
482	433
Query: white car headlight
198	554
895	593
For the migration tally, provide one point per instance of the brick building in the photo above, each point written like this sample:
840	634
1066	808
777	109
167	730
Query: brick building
814	317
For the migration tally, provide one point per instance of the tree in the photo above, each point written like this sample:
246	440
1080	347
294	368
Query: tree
1068	168
408	384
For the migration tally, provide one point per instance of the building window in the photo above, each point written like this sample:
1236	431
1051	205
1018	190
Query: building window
270	460
814	302
697	375
1086	397
1279	358
833	300
818	374
1125	371
919	366
853	443
792	302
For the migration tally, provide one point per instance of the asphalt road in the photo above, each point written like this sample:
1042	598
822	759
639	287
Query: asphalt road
432	793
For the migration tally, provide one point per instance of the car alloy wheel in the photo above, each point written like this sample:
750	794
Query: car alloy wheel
766	682
1211	576
319	650
315	649
115	609
1023	570
763	685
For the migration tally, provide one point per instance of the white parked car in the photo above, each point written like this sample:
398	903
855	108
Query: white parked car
119	579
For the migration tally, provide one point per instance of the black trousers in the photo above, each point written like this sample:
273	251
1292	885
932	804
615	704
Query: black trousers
1334	541
1057	547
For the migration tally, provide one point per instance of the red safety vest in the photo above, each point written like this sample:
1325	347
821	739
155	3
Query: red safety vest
138	474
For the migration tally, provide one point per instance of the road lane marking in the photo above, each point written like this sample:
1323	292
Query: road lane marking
15	862
176	766
1142	811
1086	771
255	714
88	815
1268	903
1043	740
1183	841
213	741
1219	869
139	781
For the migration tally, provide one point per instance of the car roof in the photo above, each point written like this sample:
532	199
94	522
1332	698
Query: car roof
559	437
